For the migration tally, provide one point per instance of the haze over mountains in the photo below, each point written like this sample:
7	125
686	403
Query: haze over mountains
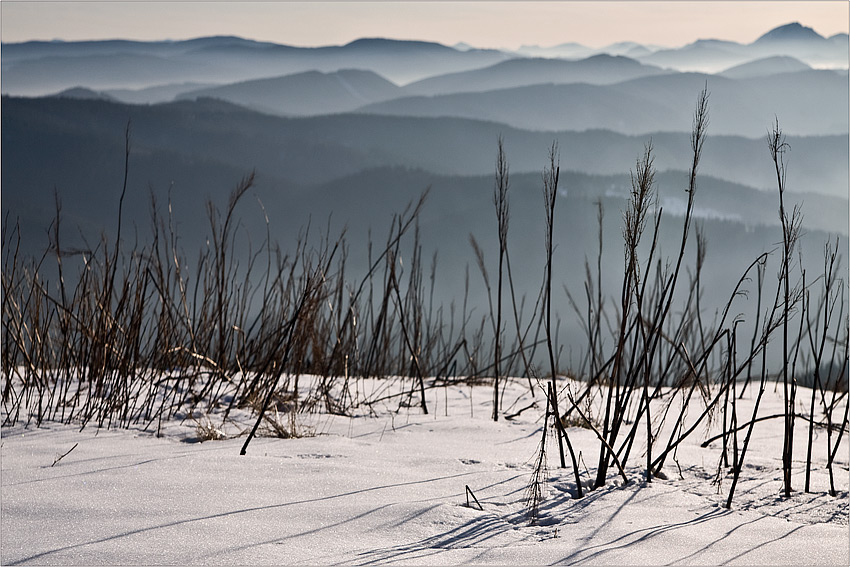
308	93
353	133
600	69
712	55
647	91
40	68
810	102
775	65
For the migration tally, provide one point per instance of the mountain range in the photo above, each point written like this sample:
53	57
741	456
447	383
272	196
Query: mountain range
40	68
601	92
646	92
346	136
809	102
322	148
354	171
307	93
713	56
359	169
600	69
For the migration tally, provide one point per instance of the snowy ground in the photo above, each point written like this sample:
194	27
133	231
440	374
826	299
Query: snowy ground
390	488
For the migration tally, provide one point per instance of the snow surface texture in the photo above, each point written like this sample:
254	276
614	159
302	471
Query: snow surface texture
390	488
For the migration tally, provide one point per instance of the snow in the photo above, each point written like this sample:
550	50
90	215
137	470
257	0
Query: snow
388	486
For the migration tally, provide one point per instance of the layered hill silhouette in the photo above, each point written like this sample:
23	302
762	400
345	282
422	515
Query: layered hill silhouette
712	56
39	68
189	150
595	93
809	102
311	92
573	50
157	93
319	149
596	70
774	65
794	40
84	93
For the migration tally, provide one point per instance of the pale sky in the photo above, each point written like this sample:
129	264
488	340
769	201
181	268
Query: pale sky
482	24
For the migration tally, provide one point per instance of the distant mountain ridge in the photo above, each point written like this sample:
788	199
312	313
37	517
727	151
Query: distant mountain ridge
714	55
156	93
382	43
793	40
85	94
774	65
596	70
39	68
318	149
808	102
794	31
602	91
304	94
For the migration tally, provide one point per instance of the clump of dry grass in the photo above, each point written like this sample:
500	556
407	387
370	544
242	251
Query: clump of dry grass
208	431
284	425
